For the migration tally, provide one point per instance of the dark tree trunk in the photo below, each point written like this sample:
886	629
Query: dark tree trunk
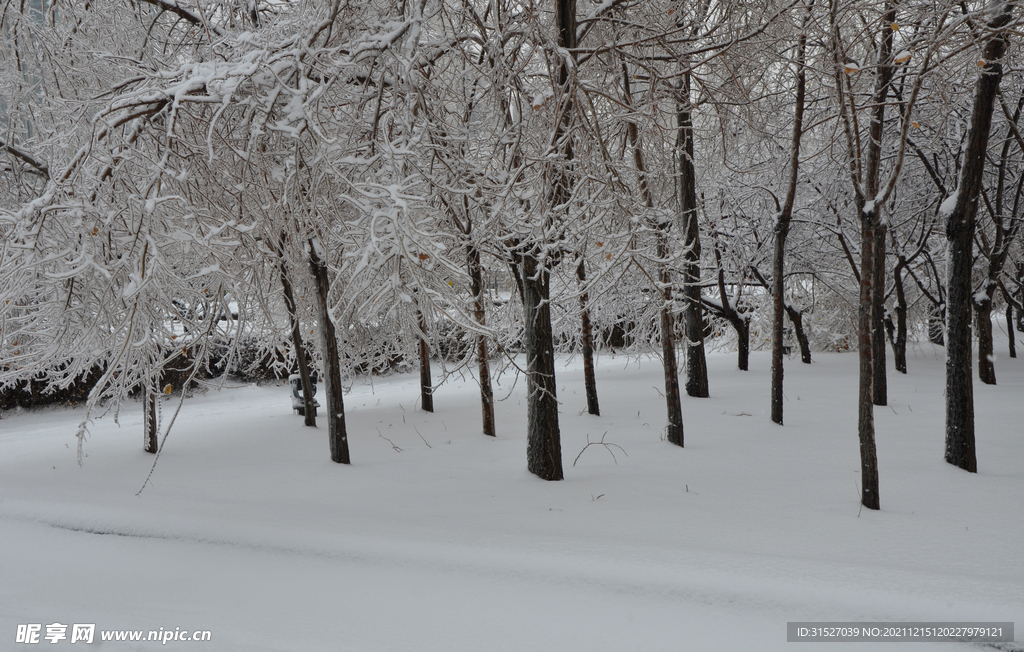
997	254
150	442
986	352
778	319
869	205
426	386
959	375
309	404
1020	296
1009	330
668	348
879	385
899	343
693	314
670	366
590	378
937	325
725	310
743	336
544	448
797	319
865	414
334	402
779	307
960	223
482	355
693	320
518	276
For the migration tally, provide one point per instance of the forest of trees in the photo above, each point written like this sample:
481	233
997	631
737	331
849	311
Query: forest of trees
332	188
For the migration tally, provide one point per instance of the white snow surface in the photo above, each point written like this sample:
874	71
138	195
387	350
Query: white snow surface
250	531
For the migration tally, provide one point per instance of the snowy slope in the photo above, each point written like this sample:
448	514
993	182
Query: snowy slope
250	531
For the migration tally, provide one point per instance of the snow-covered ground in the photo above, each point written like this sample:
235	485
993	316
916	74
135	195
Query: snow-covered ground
439	539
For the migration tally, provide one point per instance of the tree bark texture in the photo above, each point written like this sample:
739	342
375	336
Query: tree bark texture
781	232
879	387
482	354
1020	296
150	442
937	325
693	314
986	349
589	373
1009	331
668	348
960	227
743	344
309	404
334	402
797	319
865	412
899	343
778	317
426	386
544	447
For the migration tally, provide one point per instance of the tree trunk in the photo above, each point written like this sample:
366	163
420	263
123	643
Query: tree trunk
727	311
797	319
986	352
879	385
426	386
590	379
693	314
899	343
668	347
544	448
959	375
1009	330
517	275
150	442
309	404
743	336
482	355
674	430
779	309
781	233
960	446
865	413
937	325
1020	296
333	397
869	204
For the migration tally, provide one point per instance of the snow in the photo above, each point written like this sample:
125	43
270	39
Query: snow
949	204
250	531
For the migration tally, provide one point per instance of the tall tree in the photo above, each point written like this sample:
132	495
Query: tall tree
337	431
689	224
785	218
960	211
674	428
309	404
864	168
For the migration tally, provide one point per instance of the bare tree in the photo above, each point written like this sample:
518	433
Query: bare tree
960	211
